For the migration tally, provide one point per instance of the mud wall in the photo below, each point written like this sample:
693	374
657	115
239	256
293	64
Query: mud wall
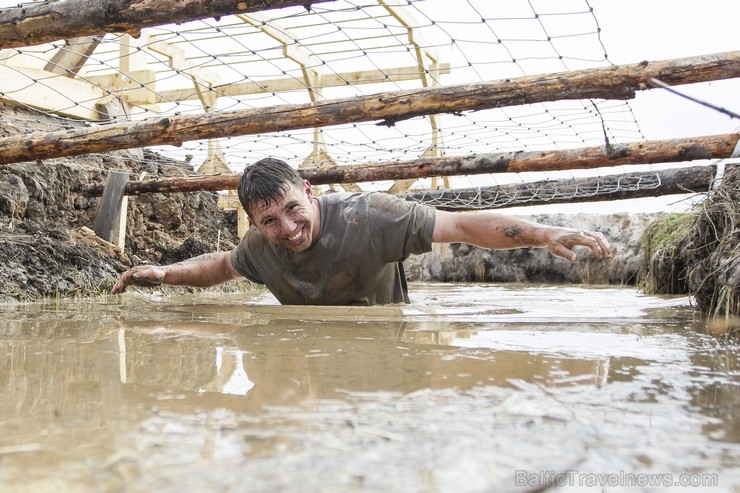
459	262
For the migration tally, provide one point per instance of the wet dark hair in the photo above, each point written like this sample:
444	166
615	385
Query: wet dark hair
266	181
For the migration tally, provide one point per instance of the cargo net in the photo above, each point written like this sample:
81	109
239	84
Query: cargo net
544	192
330	51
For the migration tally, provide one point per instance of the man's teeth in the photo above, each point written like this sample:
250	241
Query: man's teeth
294	237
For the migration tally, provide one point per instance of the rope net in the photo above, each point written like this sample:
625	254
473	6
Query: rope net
338	49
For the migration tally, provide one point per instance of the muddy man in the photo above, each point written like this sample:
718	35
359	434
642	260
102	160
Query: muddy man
345	248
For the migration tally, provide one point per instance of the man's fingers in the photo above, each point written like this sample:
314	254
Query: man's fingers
118	287
597	242
561	250
146	278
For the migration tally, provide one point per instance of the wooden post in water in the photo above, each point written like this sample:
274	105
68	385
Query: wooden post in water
110	215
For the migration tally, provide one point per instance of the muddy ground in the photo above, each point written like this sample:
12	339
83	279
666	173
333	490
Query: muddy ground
47	250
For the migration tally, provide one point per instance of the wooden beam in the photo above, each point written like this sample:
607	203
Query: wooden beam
619	82
133	83
282	35
179	62
648	152
69	59
423	48
673	181
42	22
283	84
645	152
136	87
48	92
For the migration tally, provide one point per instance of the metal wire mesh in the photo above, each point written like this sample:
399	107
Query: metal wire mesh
557	191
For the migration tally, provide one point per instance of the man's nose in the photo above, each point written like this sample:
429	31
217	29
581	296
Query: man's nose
287	225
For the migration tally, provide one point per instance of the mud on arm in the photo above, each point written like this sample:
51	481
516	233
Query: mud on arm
204	271
497	232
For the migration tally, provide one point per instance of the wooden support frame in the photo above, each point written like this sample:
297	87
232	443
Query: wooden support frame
69	59
62	96
428	60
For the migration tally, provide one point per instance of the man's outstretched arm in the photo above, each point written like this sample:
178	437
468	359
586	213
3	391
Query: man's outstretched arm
496	231
204	271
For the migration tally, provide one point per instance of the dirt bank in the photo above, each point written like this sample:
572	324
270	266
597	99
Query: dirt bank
699	253
46	248
461	262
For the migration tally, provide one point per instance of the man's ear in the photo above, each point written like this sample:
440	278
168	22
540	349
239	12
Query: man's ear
309	190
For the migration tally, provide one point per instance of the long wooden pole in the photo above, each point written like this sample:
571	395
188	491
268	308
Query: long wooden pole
646	152
619	82
42	22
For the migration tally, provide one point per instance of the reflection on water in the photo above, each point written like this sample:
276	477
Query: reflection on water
469	388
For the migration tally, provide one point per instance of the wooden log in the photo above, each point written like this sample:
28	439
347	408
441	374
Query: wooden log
647	152
601	188
619	82
109	210
43	22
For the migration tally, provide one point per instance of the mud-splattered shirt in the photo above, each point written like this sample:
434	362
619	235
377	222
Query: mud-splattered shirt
356	259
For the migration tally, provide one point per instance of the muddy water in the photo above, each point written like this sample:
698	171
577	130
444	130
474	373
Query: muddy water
470	388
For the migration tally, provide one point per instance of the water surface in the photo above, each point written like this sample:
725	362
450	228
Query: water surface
470	388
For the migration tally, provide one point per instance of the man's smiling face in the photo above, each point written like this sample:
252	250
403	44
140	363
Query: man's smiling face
292	221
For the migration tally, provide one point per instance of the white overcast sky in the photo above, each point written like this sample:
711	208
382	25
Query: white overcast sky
635	30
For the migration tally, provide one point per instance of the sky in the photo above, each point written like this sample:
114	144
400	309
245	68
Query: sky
658	29
636	30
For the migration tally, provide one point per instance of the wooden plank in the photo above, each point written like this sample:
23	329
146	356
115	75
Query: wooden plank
426	55
283	84
179	61
69	59
619	82
136	87
49	92
282	35
646	152
109	210
119	230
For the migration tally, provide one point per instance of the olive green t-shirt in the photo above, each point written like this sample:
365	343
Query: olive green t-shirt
356	259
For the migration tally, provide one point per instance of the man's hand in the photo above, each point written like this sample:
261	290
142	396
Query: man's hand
560	242
142	275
